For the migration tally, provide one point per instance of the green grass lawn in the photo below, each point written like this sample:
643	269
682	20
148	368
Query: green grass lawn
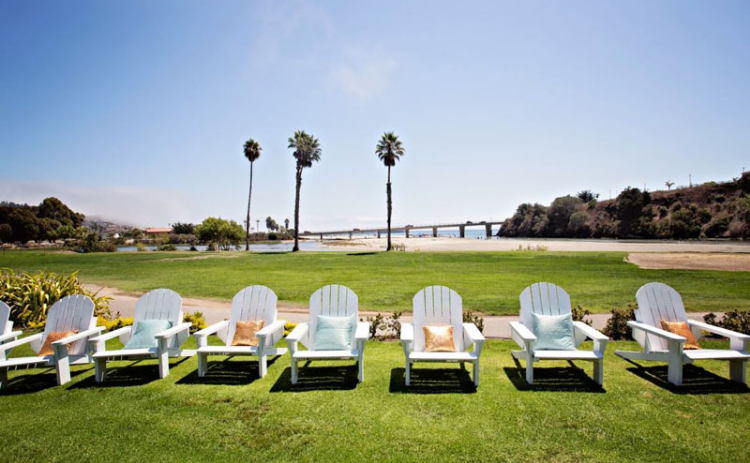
489	282
232	416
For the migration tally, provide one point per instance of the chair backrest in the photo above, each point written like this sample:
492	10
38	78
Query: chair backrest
438	306
69	314
543	299
159	304
6	326
252	303
657	302
332	301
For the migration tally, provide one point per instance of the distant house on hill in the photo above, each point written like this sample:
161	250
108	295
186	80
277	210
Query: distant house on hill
158	231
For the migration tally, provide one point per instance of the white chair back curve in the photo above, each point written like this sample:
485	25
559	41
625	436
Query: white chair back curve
333	301
6	326
438	306
657	302
543	299
71	313
159	304
255	302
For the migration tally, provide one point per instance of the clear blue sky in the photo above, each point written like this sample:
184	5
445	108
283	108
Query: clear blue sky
137	110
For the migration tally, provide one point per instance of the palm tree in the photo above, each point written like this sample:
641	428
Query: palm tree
306	151
389	150
252	153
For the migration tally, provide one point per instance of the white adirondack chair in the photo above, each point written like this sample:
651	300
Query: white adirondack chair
252	303
440	306
550	299
68	314
657	302
332	300
159	304
6	325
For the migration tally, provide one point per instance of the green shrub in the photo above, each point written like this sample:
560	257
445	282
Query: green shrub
384	329
732	320
471	317
289	327
141	247
617	328
114	323
196	318
579	313
30	295
166	247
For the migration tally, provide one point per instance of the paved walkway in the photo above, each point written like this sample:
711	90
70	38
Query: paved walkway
214	311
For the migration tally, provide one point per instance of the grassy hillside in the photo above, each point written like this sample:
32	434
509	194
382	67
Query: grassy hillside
489	282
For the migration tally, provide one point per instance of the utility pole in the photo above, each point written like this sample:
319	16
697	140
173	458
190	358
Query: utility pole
257	226
690	179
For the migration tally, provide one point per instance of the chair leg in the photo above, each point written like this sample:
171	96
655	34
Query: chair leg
476	373
361	368
674	370
3	378
62	367
100	370
163	364
530	369
262	365
202	364
407	380
295	371
737	371
599	371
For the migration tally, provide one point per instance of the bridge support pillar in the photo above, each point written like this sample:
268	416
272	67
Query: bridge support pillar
488	227
407	232
350	235
321	237
378	234
462	231
434	232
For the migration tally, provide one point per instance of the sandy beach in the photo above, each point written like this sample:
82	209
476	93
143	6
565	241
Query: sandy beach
447	244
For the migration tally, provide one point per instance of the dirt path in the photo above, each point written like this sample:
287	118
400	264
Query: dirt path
692	261
495	326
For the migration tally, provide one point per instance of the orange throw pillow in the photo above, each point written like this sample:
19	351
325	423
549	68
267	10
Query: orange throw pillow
244	333
682	329
438	339
52	337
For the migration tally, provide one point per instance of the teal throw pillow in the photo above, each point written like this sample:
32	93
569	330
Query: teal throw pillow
334	333
145	333
553	332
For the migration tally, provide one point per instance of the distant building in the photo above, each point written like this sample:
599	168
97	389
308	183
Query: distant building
157	231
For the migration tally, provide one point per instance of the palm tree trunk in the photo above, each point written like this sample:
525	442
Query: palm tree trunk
390	207
247	223
296	210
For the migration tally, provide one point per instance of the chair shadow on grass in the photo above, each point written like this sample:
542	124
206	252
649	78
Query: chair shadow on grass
432	381
695	380
27	382
134	373
554	379
227	372
318	378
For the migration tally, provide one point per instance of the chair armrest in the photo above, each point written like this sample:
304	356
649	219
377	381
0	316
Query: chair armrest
200	336
472	332
407	337
78	336
656	331
270	329
298	333
600	340
97	343
167	334
737	341
12	336
362	332
718	330
522	335
7	347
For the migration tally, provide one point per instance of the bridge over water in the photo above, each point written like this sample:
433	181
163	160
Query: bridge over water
407	228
